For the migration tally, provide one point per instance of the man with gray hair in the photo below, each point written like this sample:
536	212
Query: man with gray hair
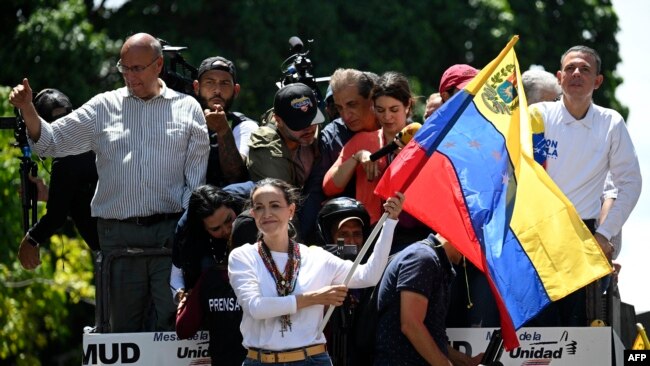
152	147
351	90
540	86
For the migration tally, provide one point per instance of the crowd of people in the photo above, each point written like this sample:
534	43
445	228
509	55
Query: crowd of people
247	209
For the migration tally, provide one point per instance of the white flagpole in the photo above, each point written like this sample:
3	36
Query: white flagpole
357	260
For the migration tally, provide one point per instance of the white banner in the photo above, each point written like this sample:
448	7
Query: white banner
542	346
538	346
146	349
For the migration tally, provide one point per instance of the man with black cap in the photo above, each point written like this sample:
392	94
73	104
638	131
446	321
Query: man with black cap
72	185
287	150
229	131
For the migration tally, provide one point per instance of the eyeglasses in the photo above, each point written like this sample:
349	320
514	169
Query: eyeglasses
134	69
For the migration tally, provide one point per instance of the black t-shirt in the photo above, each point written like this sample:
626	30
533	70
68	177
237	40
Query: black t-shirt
222	318
214	174
72	186
421	269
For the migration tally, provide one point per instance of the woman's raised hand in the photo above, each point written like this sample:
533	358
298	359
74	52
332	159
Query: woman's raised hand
394	205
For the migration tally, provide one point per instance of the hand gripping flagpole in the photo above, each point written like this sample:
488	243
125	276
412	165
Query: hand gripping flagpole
357	260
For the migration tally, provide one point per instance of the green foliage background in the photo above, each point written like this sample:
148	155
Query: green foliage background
73	44
38	308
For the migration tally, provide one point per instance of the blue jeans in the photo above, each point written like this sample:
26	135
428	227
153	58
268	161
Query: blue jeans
321	359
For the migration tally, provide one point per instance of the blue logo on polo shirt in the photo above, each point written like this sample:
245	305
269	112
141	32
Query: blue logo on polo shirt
544	148
551	148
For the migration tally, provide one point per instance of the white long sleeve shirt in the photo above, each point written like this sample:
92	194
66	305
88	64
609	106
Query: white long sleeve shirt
262	307
579	153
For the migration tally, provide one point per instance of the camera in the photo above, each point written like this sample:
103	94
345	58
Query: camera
342	250
298	68
177	73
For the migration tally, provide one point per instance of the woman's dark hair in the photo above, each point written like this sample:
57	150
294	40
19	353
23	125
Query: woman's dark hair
291	195
204	201
395	85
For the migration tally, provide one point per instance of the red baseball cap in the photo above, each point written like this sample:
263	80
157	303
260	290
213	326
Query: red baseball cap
458	76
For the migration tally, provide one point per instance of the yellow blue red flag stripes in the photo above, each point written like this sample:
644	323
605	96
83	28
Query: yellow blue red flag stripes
469	174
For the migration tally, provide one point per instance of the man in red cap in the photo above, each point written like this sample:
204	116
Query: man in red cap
472	302
454	79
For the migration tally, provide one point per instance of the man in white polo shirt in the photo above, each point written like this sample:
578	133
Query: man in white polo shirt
583	141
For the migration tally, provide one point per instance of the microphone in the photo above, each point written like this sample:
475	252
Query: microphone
296	44
401	139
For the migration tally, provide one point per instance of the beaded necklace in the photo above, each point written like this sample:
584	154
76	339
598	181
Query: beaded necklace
283	284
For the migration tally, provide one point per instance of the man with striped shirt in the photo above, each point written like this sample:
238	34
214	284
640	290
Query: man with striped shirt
152	147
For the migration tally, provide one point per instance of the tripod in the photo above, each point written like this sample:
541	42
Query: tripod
27	166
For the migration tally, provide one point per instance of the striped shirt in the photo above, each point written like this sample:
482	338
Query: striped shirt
150	154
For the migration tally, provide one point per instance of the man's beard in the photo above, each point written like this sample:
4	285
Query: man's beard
300	140
205	103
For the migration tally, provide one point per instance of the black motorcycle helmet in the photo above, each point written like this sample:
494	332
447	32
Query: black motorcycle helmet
335	210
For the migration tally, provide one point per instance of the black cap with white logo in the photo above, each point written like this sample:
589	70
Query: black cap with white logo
296	105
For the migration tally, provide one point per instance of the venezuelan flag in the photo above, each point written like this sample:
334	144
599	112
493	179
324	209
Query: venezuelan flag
469	174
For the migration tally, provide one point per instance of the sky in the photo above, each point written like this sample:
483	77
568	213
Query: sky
635	255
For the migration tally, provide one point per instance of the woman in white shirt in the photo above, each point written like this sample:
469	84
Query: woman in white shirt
283	286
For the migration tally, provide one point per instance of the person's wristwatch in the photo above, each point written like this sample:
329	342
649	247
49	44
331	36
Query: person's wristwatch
32	241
